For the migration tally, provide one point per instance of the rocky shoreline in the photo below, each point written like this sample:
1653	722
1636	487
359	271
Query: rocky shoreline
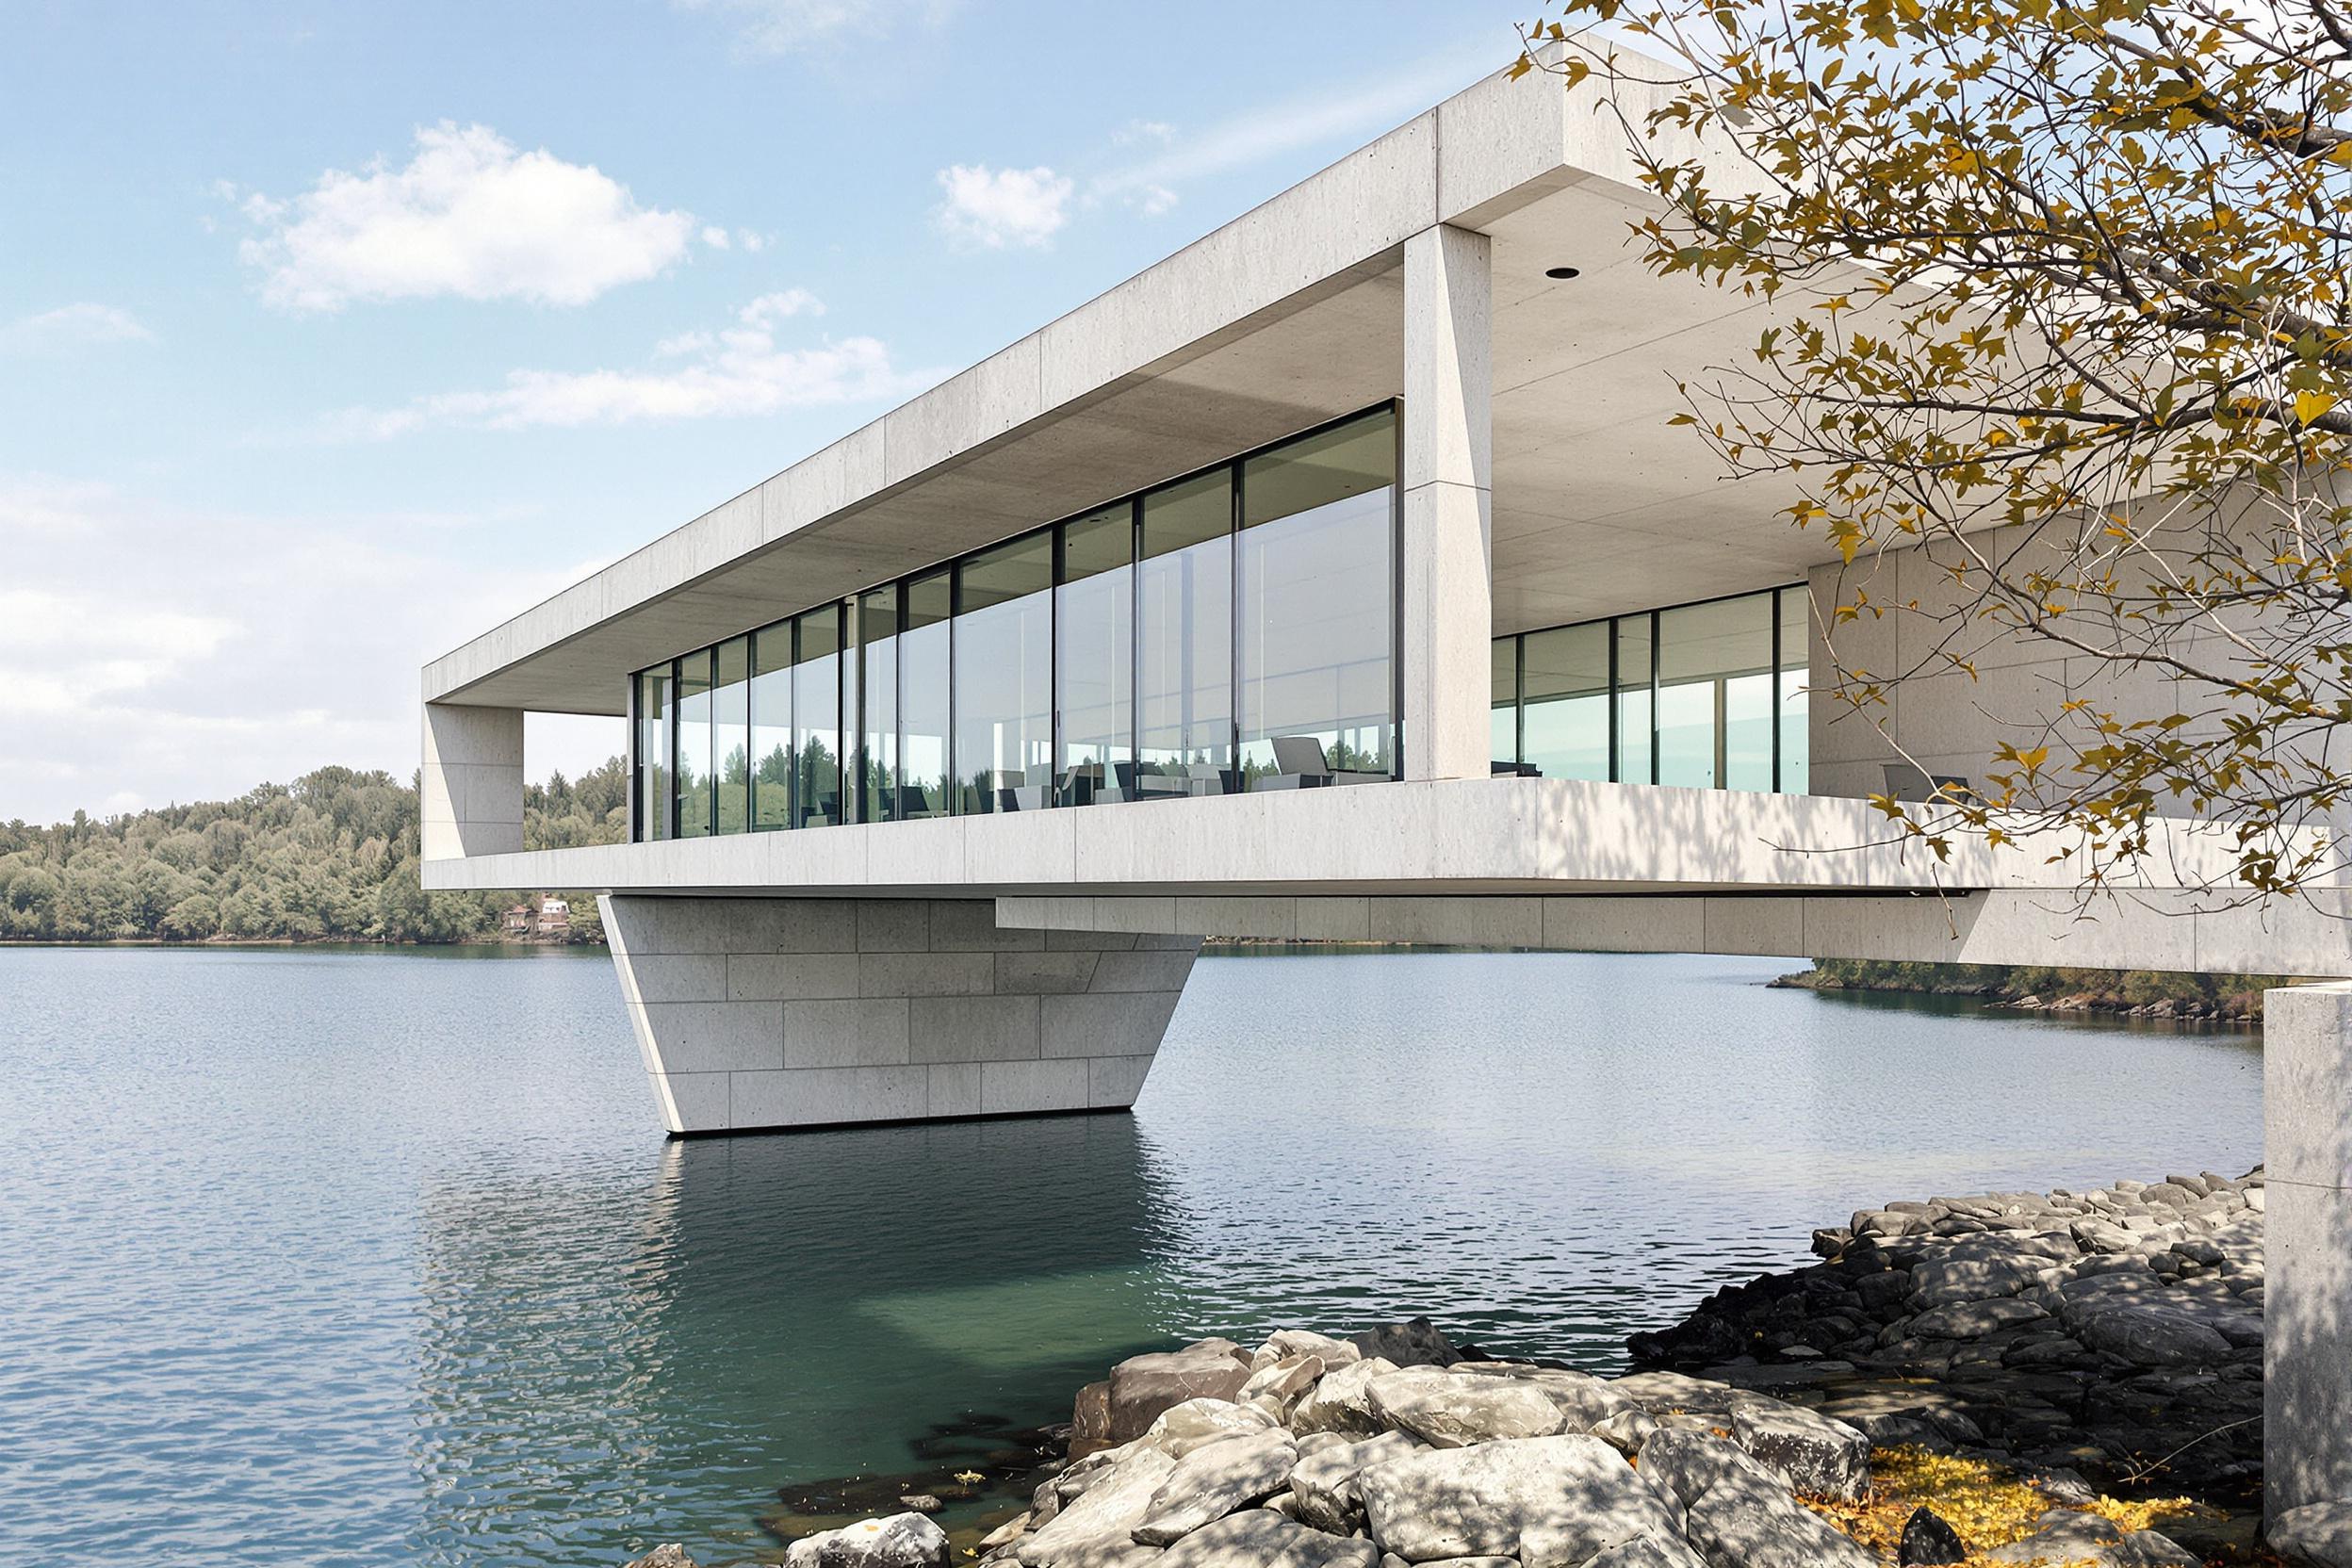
2008	1378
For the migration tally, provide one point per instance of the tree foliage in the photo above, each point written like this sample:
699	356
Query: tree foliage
2057	298
332	856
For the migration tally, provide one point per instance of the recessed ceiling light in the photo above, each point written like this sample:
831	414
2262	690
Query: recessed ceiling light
1559	272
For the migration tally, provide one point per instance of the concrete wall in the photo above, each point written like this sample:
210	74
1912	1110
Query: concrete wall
2307	1302
470	791
797	1012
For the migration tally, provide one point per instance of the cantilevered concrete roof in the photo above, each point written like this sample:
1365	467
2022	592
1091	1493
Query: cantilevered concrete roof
1290	315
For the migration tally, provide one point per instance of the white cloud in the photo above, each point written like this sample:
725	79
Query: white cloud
150	654
469	216
996	207
84	324
1334	118
715	237
814	26
738	369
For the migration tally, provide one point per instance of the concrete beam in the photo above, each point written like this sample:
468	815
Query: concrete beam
1448	566
471	792
766	1013
2307	1301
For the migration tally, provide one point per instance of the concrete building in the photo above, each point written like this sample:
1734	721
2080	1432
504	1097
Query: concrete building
1336	576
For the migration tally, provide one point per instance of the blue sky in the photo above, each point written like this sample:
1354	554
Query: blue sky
332	333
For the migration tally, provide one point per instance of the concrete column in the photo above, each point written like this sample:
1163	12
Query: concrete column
1448	589
757	1013
470	793
2307	1295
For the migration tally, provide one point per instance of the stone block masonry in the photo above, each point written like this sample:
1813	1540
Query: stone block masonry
767	1013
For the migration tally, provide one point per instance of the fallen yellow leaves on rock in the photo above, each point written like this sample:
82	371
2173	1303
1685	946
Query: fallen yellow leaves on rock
1987	1504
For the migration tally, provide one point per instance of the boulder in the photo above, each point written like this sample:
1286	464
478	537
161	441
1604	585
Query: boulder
1455	1412
1215	1480
1583	1400
1261	1537
2317	1535
1813	1453
2063	1535
1552	1502
1413	1343
1299	1341
2151	1337
1929	1542
1341	1402
1101	1522
1090	1420
1322	1487
1143	1386
1197	1423
1278	1386
1981	1276
901	1541
1651	1551
1739	1514
671	1554
1974	1319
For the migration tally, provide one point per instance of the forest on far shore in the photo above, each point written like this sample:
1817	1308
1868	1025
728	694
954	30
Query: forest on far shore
332	856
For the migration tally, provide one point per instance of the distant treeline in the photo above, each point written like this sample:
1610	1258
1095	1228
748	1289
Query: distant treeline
2051	986
332	856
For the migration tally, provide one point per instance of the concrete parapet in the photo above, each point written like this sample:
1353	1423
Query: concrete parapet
761	1013
470	790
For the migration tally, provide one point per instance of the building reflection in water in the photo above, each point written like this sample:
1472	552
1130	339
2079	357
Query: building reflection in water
782	1309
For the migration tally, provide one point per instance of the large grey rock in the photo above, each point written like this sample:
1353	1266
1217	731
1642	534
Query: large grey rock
2317	1535
1651	1551
2062	1535
1977	1277
1813	1453
1413	1343
1583	1400
901	1541
1101	1522
1261	1537
1739	1514
1215	1480
1974	1319
1341	1402
1300	1341
1322	1486
1143	1386
1448	1412
2153	1336
670	1555
1197	1423
1552	1502
1277	1387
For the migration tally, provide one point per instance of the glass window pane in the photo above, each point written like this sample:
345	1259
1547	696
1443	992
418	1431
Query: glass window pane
1715	695
817	718
772	726
1094	681
1567	701
1633	701
1318	606
653	754
1004	677
1796	628
730	718
923	660
1503	728
1185	681
694	745
877	751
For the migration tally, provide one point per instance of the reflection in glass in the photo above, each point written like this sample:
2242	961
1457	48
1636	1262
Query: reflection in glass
1796	623
1503	723
772	726
694	745
1634	762
1094	675
922	671
1566	723
1317	690
877	747
730	719
1004	677
1184	682
653	754
817	718
1715	693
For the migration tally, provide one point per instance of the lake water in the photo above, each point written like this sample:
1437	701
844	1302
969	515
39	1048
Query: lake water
364	1258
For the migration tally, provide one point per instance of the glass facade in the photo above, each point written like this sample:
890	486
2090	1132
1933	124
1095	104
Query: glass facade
1232	629
1708	696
